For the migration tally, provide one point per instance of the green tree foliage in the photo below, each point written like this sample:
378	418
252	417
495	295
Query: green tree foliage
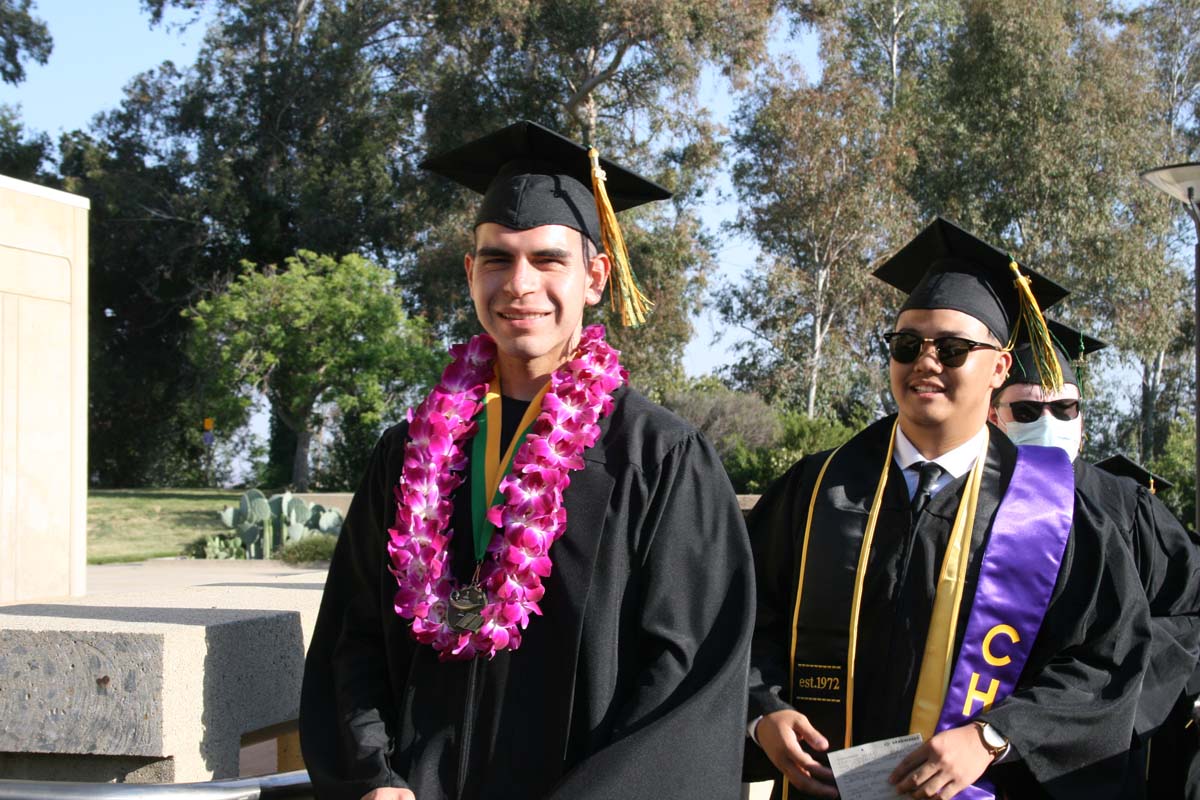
1038	127
819	176
623	75
753	469
1177	464
22	37
729	419
22	153
303	122
320	331
152	253
889	44
288	132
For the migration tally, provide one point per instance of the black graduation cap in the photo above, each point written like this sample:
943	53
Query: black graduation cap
946	267
1128	468
531	176
1070	347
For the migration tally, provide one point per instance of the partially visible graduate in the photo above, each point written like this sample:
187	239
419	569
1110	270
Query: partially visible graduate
543	588
1173	753
931	577
1165	554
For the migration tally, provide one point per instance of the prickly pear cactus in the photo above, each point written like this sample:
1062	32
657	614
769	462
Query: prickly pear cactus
265	524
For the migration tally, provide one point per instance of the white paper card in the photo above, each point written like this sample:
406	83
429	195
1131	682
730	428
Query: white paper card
862	772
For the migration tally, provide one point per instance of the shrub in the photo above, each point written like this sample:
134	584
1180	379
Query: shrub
308	549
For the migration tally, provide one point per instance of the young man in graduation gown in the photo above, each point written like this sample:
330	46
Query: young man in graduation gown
578	627
930	577
1166	556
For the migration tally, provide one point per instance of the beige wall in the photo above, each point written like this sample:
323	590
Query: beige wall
43	392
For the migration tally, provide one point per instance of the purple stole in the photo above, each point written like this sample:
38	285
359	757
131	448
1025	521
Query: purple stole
1016	579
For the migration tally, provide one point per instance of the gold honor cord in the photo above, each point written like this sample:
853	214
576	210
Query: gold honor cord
625	295
493	465
936	664
1049	372
860	578
812	502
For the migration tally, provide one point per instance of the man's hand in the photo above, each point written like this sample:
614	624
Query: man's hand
779	734
388	793
944	766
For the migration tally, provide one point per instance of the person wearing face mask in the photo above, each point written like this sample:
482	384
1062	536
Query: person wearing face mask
930	577
1026	414
1165	555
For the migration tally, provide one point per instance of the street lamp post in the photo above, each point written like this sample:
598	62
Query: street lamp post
1182	181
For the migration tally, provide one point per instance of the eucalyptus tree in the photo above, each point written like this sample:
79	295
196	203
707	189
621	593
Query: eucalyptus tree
819	178
1033	136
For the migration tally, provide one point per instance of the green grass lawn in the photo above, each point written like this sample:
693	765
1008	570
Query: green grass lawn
135	524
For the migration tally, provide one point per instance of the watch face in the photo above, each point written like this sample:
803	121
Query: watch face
992	736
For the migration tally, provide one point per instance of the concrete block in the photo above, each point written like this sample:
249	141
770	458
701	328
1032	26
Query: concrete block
172	676
71	692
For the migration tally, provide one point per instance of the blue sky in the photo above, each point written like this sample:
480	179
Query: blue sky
99	45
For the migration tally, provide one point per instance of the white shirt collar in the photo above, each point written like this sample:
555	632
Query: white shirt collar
956	462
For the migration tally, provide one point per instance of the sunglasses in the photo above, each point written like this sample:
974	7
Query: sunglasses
952	351
1031	410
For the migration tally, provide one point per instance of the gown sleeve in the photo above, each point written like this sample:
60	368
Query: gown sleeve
679	732
1169	562
776	525
1070	720
344	730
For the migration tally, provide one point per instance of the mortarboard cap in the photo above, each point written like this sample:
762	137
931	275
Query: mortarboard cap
1070	347
946	267
1128	468
530	176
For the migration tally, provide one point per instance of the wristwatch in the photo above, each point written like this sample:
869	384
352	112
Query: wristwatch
991	739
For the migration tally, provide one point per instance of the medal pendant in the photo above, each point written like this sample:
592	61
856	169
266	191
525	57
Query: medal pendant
465	607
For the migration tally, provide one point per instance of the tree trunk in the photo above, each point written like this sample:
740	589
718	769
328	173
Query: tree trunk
1151	386
300	462
820	326
298	424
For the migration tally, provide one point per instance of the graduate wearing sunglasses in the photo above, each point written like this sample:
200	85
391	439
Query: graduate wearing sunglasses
930	577
1166	556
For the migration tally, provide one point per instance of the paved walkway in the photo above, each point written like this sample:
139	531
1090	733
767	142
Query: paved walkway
176	573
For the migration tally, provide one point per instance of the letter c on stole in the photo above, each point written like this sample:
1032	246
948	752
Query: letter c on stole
1007	630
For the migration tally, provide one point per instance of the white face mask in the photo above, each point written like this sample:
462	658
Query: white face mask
1048	432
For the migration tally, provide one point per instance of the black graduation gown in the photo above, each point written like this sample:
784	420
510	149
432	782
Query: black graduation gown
631	684
1071	716
1168	563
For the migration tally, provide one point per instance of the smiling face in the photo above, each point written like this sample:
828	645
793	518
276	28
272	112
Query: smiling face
940	406
530	288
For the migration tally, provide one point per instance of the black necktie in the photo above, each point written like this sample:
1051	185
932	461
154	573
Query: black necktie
929	473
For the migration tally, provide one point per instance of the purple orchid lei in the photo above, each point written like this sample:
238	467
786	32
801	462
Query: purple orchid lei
531	517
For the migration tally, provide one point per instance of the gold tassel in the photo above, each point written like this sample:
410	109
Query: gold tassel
626	297
1039	335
